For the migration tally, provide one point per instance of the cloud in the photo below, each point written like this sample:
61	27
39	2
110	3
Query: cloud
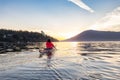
82	5
109	22
114	28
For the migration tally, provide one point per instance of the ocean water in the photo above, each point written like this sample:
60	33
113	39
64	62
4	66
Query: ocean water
74	60
93	60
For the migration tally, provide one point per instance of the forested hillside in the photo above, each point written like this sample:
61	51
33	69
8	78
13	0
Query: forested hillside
22	36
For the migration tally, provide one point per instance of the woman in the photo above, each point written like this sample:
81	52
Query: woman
49	47
48	51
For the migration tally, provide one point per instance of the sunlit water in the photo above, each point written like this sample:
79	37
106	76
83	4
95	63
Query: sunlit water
87	60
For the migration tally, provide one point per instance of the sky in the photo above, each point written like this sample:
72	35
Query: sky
61	19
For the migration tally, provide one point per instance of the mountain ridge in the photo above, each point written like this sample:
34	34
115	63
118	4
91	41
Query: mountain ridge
94	35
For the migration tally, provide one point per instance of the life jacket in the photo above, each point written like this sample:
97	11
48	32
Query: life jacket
49	45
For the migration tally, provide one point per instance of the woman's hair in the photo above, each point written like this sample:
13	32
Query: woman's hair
48	40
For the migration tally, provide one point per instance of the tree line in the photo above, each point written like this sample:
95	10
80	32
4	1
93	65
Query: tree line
23	36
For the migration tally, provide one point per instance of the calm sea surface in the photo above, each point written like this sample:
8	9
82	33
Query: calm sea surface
90	60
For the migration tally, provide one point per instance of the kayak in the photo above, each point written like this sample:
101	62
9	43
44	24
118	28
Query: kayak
45	52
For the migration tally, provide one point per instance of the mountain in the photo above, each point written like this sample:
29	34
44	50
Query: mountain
92	35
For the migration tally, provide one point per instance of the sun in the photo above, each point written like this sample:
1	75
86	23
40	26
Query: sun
68	35
62	35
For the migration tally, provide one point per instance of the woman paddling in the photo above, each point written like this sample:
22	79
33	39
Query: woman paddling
48	51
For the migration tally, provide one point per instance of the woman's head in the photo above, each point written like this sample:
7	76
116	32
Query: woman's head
48	40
